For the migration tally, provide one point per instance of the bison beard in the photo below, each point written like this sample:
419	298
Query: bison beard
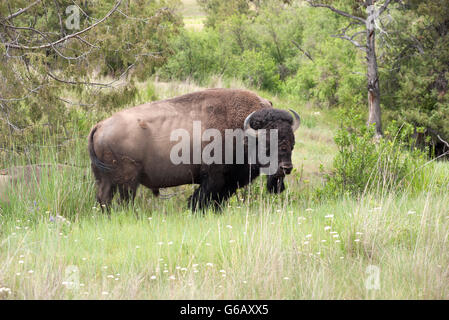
117	166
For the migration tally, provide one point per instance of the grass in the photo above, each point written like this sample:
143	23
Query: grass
55	243
194	17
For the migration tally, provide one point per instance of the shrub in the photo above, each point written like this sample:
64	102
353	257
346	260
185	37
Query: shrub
364	164
256	69
196	57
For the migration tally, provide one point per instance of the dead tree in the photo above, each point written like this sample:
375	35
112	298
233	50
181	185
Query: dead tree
369	26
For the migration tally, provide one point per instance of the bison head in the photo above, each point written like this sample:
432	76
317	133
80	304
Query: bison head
284	125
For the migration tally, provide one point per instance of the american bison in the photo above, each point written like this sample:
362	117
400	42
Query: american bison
138	146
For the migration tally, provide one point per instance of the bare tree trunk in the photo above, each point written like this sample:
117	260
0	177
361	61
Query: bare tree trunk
373	72
370	50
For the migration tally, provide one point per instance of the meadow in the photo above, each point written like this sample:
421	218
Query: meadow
55	243
383	243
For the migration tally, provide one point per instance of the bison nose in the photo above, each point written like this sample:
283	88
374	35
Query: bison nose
287	168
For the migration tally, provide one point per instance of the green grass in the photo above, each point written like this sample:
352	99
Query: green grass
194	16
260	247
191	8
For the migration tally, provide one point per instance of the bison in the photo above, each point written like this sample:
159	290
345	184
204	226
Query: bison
135	146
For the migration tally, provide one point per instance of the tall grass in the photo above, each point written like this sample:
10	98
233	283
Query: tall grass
260	247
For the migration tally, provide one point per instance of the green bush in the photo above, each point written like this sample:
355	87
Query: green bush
327	80
365	164
196	57
256	69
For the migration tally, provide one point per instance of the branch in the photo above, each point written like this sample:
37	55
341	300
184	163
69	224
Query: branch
342	13
303	51
22	10
78	82
68	36
445	142
11	125
24	97
103	85
351	39
44	36
383	8
76	103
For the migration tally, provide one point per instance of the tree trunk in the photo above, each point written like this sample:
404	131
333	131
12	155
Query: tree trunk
373	72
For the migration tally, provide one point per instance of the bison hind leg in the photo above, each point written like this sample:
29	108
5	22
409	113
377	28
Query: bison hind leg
105	193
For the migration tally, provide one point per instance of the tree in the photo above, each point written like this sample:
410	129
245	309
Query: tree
367	23
415	72
54	50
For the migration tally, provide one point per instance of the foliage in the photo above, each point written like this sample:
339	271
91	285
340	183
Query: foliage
39	86
218	10
412	43
335	76
257	69
365	165
417	66
285	47
254	46
202	55
196	57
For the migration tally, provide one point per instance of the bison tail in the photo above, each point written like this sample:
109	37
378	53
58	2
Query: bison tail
93	157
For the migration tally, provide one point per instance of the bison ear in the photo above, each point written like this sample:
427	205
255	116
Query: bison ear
270	102
296	120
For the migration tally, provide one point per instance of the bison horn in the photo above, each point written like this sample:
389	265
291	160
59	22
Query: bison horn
247	127
296	120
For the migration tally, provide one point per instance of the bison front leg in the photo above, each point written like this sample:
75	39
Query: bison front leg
275	184
127	192
213	191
